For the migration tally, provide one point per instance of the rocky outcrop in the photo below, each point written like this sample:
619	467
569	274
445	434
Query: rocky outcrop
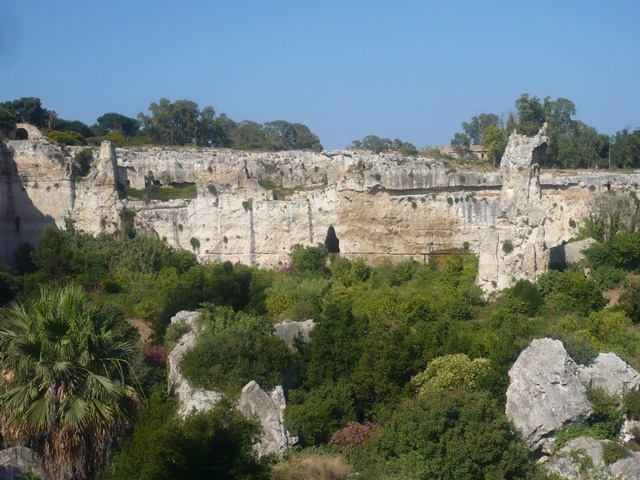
268	409
545	393
254	403
289	330
17	461
610	373
251	207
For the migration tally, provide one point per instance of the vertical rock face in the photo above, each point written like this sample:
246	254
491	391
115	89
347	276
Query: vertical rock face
251	207
545	392
521	249
268	409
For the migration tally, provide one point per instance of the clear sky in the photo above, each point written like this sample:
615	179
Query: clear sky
413	70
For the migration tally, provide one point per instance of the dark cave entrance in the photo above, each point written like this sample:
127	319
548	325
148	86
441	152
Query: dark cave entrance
21	134
332	242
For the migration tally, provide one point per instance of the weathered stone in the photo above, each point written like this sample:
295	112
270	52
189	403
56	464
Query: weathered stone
545	393
609	372
380	206
570	252
288	330
268	409
566	461
626	468
16	461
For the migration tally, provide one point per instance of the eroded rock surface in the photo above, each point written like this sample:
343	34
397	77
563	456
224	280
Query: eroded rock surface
288	330
611	373
16	461
545	392
268	409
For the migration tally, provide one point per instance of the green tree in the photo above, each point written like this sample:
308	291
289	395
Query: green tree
66	386
475	129
461	143
531	114
27	110
214	444
495	141
444	435
115	122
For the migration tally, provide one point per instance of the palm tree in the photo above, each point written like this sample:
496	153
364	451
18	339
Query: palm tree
65	386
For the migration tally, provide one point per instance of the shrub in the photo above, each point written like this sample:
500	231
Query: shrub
307	466
631	404
228	360
248	205
82	160
507	246
349	439
195	243
613	451
608	277
462	435
451	372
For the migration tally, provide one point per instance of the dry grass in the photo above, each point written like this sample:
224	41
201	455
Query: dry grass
316	467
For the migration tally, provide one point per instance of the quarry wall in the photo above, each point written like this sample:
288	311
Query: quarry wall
251	207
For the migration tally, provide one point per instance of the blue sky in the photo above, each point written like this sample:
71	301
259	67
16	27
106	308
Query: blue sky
413	70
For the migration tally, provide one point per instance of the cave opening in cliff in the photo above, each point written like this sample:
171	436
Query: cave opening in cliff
332	242
21	134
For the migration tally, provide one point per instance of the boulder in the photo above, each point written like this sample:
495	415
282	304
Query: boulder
268	409
545	393
288	330
16	461
610	373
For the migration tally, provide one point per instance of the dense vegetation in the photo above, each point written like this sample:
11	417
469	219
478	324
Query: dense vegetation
400	352
572	143
179	123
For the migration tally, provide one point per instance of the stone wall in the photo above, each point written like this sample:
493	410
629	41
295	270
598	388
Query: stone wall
381	206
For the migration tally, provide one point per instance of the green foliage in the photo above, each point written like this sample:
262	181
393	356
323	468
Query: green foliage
248	205
213	444
309	260
608	277
163	194
570	291
452	372
228	360
631	404
607	416
62	343
82	160
629	300
376	144
507	246
64	138
195	243
529	294
127	218
613	451
462	435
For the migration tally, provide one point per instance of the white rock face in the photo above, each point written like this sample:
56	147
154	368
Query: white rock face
545	392
609	372
268	409
381	206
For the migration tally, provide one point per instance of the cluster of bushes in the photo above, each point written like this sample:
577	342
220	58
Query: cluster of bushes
399	351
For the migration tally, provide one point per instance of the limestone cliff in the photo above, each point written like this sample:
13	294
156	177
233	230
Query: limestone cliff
251	207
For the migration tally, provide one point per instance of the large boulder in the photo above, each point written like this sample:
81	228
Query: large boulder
545	393
268	409
610	373
17	461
